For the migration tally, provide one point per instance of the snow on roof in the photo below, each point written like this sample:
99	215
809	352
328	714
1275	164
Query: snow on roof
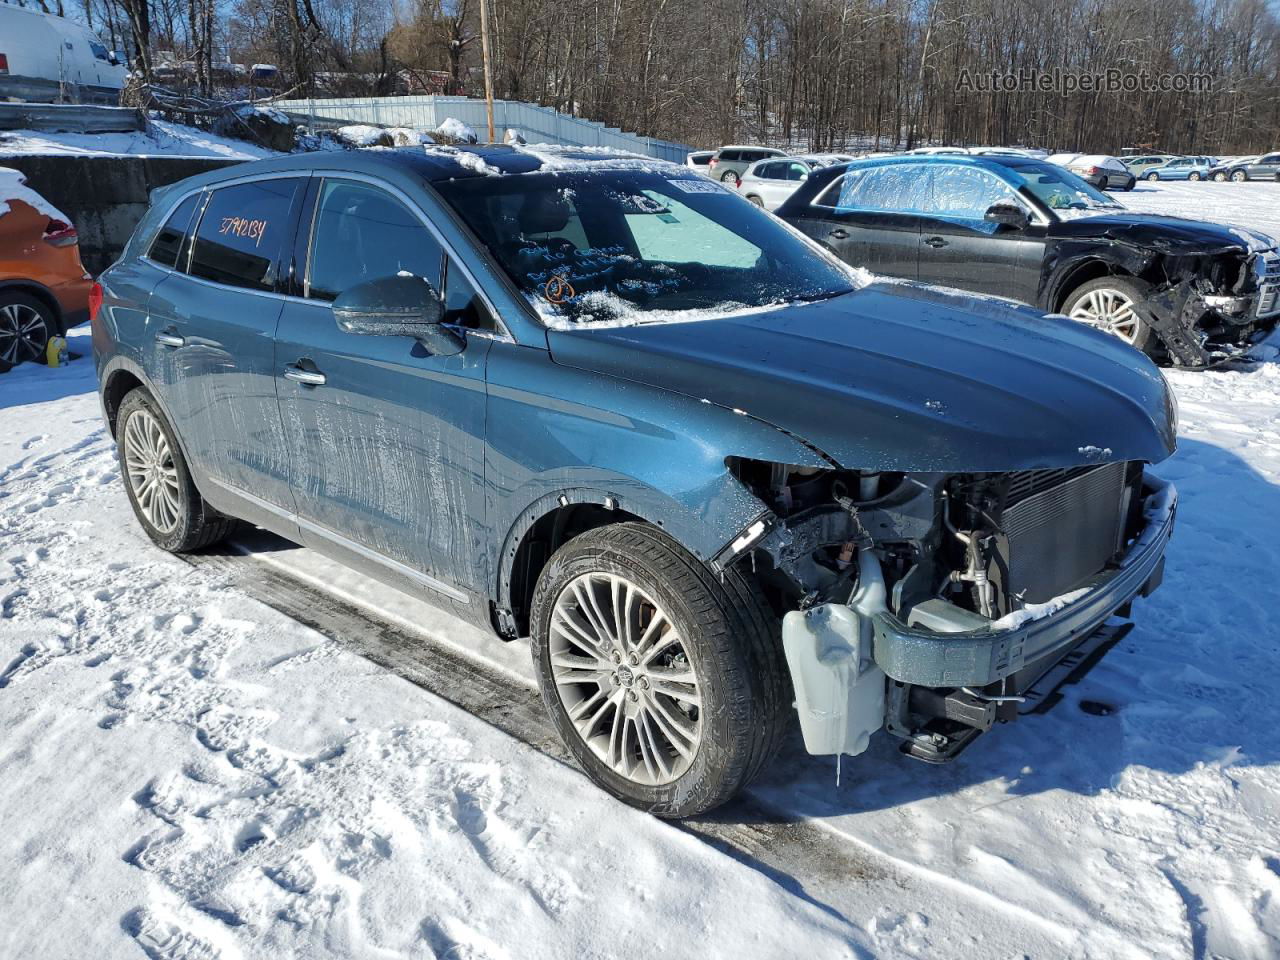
13	187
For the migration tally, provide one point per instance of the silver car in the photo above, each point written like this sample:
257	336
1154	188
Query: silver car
767	183
730	163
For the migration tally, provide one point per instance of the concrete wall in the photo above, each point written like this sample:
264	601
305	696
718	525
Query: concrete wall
105	196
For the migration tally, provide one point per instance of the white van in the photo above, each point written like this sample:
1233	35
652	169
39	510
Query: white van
50	59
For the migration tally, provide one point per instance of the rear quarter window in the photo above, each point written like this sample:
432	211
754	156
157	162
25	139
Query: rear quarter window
732	156
169	241
241	233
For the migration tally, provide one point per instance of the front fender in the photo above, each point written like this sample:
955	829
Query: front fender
559	435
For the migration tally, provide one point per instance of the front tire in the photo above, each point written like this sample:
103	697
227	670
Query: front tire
1153	176
158	483
1219	178
1109	304
665	680
756	200
26	324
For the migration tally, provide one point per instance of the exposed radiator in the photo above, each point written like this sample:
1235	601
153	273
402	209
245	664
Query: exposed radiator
1062	527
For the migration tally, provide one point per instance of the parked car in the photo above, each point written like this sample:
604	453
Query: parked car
1105	173
767	183
700	160
730	163
1264	167
1182	168
1185	291
1141	164
44	289
1221	170
892	505
47	59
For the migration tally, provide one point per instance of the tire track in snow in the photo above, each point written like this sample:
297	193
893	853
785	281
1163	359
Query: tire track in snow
770	841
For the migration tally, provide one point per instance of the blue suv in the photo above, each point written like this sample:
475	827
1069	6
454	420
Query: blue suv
610	406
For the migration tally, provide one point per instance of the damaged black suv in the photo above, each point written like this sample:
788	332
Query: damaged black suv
1186	292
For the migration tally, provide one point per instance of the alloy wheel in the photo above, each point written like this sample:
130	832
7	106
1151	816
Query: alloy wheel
23	333
153	477
625	680
1239	176
1109	311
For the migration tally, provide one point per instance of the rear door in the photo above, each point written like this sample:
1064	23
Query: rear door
388	439
958	248
871	217
213	324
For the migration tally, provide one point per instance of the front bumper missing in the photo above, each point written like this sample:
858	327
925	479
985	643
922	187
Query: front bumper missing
978	658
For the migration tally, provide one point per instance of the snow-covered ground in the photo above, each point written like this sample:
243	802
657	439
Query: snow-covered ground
162	139
190	771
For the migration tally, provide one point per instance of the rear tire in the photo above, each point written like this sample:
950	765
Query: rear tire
1239	176
618	609
1153	175
158	483
1194	177
756	200
26	324
1219	178
730	177
1107	305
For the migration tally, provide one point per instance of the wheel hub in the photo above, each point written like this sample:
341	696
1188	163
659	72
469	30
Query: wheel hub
624	678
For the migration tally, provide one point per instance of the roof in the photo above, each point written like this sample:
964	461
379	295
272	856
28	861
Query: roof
982	161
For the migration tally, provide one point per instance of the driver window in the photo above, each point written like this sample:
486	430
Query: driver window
966	192
362	233
667	231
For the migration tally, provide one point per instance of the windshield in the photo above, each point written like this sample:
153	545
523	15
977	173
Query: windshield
1060	189
631	246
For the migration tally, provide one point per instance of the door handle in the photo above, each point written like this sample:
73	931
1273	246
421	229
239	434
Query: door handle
310	378
935	242
170	339
839	233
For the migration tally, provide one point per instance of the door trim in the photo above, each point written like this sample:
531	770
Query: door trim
338	540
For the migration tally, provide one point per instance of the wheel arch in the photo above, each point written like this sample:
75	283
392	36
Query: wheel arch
1080	273
42	293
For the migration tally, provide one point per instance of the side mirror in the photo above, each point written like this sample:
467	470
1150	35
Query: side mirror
398	306
1007	215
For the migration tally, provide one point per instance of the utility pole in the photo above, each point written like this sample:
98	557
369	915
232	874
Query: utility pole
488	74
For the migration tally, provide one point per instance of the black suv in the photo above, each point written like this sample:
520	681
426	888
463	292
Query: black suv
1186	292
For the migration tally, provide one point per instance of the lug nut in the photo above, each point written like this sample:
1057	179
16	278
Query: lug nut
614	679
644	683
633	660
632	696
617	657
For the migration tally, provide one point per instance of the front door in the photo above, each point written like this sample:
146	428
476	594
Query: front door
958	248
213	324
388	439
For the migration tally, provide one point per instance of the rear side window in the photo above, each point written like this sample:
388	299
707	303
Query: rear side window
900	188
732	156
362	233
241	233
168	243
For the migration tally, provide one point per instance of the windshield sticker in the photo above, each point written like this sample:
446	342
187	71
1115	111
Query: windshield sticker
558	290
241	227
698	186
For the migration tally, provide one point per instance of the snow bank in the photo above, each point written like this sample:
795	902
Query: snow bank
162	139
457	130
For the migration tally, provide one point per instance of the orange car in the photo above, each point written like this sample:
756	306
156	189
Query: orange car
44	290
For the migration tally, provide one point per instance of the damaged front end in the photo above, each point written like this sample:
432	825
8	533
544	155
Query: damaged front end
931	604
1209	302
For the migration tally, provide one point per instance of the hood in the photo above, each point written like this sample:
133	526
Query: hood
1175	235
900	376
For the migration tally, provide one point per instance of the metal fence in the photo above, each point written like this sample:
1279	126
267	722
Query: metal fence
536	124
69	118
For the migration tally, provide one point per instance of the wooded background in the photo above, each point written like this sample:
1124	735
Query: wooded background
821	74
